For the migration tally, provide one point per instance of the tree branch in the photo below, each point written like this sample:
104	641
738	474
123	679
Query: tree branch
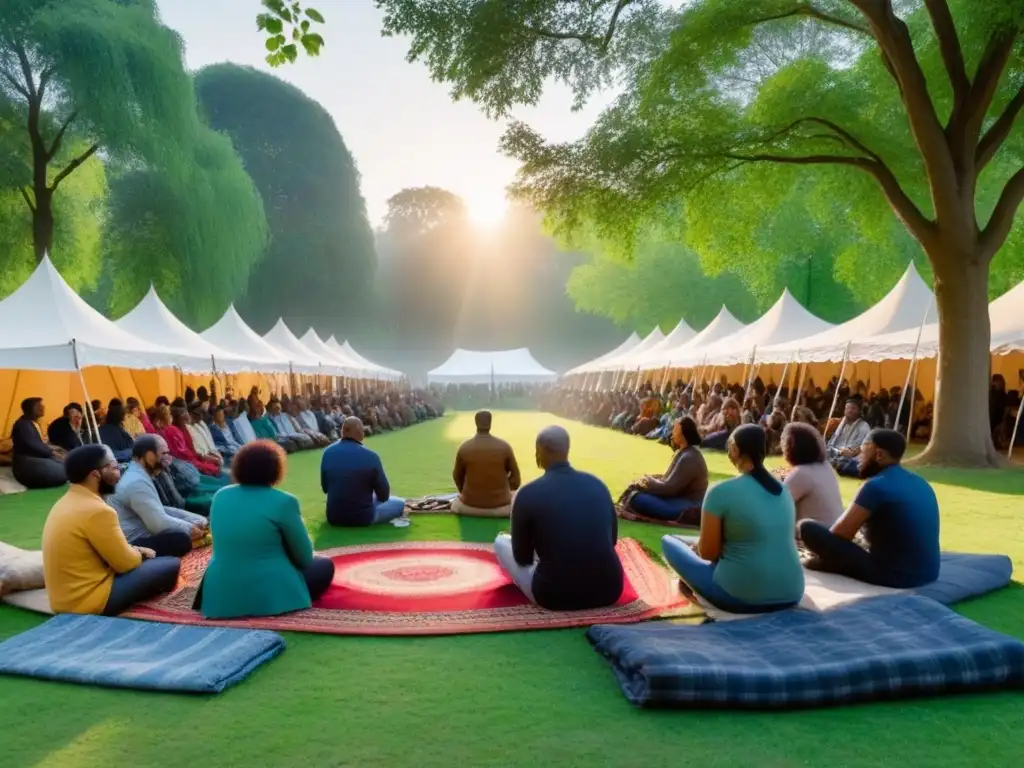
949	47
809	10
601	41
1000	130
26	70
28	200
55	146
70	168
14	83
986	81
1001	220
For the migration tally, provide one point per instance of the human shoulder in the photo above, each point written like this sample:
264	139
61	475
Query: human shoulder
718	495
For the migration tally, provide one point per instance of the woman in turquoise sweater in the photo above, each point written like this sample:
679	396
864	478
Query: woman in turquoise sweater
263	562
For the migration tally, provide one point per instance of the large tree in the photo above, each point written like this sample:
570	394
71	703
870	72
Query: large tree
912	101
104	71
320	265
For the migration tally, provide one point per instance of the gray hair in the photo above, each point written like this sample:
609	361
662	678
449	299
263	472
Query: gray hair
555	440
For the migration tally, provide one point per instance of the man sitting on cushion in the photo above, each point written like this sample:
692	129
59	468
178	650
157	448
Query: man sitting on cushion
352	476
88	564
34	463
561	553
900	517
486	473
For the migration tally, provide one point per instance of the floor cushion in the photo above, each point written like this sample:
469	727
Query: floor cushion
36	600
878	648
120	653
19	569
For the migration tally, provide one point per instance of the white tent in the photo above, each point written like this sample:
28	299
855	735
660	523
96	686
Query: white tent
787	320
678	336
231	332
1006	315
328	356
299	355
385	372
49	327
153	320
508	366
909	304
623	362
594	364
723	326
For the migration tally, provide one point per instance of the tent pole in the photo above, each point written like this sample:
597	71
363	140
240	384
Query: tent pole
782	378
10	405
913	360
664	378
750	379
94	429
1016	426
799	391
839	384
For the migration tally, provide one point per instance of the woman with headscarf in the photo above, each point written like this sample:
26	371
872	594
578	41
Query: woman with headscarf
746	559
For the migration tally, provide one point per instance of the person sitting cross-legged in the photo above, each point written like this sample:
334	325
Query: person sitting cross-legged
845	444
811	481
746	559
35	463
678	495
143	517
263	562
352	476
286	427
486	474
561	552
88	564
899	514
67	432
114	435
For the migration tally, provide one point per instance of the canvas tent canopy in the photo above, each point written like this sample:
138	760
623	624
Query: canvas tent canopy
302	359
510	366
904	308
678	336
723	326
328	356
389	374
624	360
594	364
231	332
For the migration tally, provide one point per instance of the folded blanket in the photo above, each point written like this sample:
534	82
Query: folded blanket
879	648
119	653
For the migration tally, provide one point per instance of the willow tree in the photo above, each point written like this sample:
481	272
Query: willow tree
104	71
918	98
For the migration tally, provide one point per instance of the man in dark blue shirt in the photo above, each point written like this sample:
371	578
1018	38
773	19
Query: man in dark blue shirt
561	552
353	478
900	517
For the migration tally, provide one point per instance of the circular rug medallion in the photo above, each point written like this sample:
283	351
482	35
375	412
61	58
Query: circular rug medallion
428	574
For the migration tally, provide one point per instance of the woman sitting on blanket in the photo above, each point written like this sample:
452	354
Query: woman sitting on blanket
746	560
811	481
678	494
263	562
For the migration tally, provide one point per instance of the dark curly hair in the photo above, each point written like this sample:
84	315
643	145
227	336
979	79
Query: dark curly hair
802	444
260	463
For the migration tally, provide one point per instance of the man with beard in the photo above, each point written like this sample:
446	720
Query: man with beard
144	519
899	514
88	564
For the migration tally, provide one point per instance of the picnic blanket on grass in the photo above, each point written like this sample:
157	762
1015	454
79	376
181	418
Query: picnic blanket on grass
880	648
118	653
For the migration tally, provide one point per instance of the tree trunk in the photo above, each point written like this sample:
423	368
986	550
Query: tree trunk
961	435
42	224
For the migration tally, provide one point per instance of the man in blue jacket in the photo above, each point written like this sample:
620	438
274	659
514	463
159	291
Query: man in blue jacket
353	478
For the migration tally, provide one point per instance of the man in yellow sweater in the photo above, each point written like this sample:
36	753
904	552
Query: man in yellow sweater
88	564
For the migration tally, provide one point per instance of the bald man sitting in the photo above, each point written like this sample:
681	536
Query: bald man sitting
352	476
486	473
561	553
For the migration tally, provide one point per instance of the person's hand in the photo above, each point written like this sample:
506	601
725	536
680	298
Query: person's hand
146	552
198	532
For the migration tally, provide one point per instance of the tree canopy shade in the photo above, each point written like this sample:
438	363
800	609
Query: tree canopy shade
319	267
913	104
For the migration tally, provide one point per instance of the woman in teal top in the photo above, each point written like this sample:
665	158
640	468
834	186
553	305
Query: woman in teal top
746	559
263	562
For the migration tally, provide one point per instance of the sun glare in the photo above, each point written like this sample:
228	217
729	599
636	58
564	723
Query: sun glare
487	213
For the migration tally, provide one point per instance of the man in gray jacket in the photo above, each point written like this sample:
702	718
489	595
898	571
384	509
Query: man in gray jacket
146	522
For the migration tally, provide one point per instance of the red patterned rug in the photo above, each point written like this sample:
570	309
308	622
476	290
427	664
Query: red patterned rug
432	588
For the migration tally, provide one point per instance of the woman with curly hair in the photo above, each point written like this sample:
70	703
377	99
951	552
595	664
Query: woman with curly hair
263	562
811	479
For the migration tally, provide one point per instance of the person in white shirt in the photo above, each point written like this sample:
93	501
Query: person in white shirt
844	445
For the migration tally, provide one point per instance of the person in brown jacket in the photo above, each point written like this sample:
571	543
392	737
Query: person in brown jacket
676	496
486	473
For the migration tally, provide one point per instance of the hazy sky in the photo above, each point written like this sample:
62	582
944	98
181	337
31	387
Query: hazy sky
402	128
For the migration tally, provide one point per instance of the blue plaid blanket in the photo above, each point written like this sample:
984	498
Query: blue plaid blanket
882	647
120	653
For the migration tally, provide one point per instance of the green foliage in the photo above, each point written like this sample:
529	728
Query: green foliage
319	268
288	27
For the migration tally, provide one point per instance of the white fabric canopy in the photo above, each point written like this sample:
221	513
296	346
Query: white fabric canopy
49	327
299	355
787	320
625	360
723	326
384	372
466	366
905	307
678	336
328	356
231	332
594	364
152	319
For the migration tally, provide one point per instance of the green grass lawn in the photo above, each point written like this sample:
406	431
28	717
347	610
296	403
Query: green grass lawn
533	698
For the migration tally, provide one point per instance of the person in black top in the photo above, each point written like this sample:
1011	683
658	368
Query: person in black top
67	432
114	435
35	464
561	553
